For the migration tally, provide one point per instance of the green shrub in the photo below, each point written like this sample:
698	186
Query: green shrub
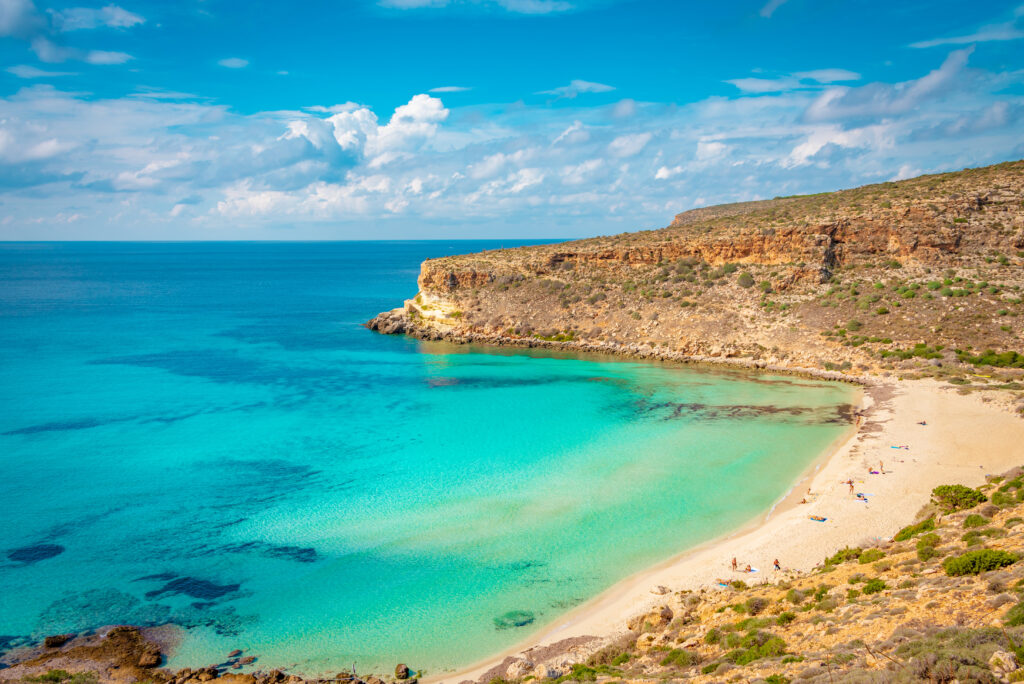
777	679
974	562
708	669
930	539
785	618
755	605
852	594
975	520
873	586
795	596
1012	522
1015	616
757	645
914	530
621	659
680	658
843	555
951	498
926	553
745	280
713	636
871	555
738	584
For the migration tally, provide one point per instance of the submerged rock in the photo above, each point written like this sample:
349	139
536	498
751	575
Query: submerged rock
514	618
57	640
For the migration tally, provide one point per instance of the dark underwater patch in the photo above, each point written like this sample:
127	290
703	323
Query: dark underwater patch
33	554
514	618
59	426
840	414
193	588
299	554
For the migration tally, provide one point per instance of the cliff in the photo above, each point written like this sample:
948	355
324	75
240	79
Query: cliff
855	281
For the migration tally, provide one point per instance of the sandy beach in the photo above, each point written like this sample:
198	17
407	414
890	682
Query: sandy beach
965	438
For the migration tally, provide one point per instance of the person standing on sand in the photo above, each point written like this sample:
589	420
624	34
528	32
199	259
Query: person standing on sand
778	566
734	565
850	482
881	468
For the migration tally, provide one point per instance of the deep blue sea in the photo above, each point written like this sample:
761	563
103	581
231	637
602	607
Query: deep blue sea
203	434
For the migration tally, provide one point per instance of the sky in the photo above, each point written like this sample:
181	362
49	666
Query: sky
420	119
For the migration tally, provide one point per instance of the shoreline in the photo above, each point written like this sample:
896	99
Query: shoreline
980	435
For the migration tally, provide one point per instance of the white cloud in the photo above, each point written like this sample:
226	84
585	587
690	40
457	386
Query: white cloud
764	85
517	6
574	134
27	71
234	63
710	150
19	19
828	75
576	87
51	52
768	9
1009	30
173	160
882	99
629	145
79	18
449	89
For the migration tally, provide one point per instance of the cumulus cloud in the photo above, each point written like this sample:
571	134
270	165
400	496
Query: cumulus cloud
1009	30
79	18
20	19
629	145
828	75
576	87
883	99
575	166
518	6
233	63
27	71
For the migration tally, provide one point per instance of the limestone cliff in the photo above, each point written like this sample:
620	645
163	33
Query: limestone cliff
934	260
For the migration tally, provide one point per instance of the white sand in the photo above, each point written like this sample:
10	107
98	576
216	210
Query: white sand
964	440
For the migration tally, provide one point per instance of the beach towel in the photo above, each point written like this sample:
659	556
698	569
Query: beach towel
818	518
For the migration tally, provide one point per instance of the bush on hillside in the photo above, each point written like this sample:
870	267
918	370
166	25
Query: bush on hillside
951	498
975	562
914	530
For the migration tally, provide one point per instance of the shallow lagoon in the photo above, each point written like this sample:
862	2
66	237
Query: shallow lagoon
204	434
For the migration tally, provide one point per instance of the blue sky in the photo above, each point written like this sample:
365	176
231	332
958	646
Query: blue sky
379	119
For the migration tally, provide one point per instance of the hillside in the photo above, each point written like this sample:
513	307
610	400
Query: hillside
917	276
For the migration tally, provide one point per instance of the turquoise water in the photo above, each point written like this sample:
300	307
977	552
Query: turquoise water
203	434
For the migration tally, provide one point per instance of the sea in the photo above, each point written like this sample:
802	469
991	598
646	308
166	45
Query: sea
204	435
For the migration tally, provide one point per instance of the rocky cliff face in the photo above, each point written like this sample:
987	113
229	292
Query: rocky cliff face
932	260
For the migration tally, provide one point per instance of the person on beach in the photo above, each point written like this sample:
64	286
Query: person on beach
735	566
850	482
778	566
747	569
881	468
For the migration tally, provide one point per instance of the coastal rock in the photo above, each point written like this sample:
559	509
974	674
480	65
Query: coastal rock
660	590
247	660
150	659
234	654
519	669
402	671
546	671
657	618
1003	663
57	640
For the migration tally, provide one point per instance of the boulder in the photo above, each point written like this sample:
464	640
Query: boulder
57	640
402	671
1003	662
546	671
247	660
234	654
660	590
149	659
657	618
518	669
